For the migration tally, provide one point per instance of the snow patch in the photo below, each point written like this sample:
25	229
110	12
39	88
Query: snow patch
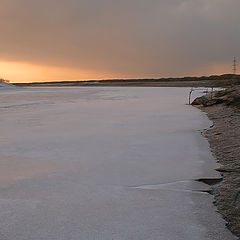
4	85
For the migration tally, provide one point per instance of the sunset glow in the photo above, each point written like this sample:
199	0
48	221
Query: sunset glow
26	72
52	40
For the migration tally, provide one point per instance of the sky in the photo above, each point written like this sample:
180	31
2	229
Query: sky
53	40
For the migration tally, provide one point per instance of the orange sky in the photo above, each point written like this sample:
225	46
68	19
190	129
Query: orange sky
54	40
26	72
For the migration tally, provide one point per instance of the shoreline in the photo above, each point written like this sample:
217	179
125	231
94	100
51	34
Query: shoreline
224	139
204	81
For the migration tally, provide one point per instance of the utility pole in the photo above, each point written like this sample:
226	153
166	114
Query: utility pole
234	66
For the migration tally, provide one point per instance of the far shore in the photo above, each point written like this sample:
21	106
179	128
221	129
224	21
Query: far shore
204	81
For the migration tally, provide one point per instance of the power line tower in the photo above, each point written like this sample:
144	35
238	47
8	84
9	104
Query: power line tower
234	66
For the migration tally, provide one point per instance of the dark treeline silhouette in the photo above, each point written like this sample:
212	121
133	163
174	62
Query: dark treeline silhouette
214	80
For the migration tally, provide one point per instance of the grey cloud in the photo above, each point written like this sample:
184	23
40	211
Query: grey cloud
126	37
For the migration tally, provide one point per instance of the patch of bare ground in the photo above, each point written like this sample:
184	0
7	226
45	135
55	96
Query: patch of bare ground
224	139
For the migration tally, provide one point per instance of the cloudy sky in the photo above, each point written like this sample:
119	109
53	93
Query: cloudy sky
44	40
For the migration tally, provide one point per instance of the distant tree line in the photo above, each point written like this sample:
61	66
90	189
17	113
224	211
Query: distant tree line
169	79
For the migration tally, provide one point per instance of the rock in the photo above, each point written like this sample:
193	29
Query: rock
200	100
205	101
229	96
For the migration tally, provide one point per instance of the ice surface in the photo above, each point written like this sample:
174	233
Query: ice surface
87	148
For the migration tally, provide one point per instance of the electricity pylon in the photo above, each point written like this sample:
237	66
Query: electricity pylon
234	66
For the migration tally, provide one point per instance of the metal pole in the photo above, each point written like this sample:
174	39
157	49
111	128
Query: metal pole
189	97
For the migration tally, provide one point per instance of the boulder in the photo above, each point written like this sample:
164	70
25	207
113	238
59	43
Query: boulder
229	96
204	100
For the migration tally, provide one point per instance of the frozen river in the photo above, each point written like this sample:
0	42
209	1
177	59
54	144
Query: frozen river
104	164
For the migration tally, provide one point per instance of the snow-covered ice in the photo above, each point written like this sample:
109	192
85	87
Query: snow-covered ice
73	160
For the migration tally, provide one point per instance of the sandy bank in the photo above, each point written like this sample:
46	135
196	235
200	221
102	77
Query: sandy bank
224	139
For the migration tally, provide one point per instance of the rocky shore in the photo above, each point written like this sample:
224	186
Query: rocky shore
223	108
